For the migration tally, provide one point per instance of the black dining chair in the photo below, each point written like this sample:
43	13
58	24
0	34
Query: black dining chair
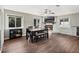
27	33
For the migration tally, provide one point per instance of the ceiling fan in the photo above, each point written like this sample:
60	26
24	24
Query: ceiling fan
48	11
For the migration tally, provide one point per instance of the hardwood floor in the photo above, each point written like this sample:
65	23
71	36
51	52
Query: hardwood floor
57	43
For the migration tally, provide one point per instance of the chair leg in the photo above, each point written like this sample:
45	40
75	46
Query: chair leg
28	39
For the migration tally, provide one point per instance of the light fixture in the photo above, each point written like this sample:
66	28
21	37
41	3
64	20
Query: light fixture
57	5
48	11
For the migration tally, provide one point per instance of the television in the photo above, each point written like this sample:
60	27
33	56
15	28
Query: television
49	19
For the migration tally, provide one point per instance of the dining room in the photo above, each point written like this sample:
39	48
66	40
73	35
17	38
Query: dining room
46	28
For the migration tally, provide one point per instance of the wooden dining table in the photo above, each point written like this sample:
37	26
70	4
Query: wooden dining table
38	34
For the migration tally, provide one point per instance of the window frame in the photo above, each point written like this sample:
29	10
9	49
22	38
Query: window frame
64	21
9	22
22	18
16	21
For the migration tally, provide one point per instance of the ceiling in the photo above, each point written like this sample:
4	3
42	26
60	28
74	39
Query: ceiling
39	9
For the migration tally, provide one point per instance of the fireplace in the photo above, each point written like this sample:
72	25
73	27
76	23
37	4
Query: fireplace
50	27
49	21
77	31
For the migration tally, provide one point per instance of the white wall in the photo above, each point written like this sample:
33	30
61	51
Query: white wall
75	19
71	30
0	28
56	25
27	20
0	19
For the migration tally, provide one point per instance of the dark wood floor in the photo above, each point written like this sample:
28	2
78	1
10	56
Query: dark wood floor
57	43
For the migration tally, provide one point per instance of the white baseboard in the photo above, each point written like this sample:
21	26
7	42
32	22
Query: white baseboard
70	35
6	38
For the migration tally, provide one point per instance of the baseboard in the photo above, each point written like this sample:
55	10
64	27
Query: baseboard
6	38
69	34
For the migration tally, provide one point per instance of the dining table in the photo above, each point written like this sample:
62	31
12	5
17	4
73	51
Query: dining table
37	34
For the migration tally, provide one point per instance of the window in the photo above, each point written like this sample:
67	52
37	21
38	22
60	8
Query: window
11	22
18	22
64	22
14	21
35	22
